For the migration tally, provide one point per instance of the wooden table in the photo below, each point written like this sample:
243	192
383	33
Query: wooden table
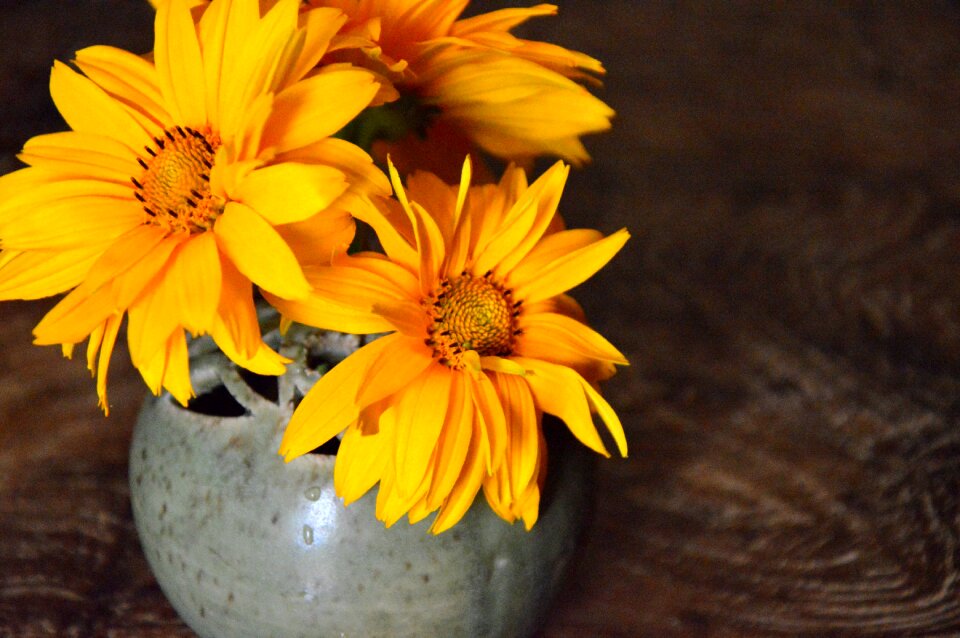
790	299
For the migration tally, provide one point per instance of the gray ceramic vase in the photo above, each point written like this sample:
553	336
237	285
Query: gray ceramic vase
243	544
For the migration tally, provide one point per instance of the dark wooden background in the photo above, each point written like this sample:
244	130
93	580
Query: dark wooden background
791	175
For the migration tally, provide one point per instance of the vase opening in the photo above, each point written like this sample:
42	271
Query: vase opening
217	402
266	386
329	448
219	397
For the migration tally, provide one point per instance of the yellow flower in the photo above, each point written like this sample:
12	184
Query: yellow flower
514	98
483	342
183	180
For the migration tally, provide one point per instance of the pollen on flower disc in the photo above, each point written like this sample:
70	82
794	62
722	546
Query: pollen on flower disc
471	313
174	186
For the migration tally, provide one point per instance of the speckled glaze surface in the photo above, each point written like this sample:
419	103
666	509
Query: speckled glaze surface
243	544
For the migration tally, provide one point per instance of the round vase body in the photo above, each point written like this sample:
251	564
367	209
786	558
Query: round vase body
243	544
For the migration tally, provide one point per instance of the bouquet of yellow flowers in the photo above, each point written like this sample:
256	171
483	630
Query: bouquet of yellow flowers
233	163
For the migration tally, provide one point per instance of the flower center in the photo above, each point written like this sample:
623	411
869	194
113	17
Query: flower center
471	313
174	186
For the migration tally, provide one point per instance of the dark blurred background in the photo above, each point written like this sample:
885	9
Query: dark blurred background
789	301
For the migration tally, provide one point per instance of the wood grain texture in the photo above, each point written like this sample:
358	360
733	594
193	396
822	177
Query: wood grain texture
789	302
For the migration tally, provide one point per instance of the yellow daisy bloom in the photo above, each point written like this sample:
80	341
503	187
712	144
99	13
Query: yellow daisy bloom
516	99
482	342
185	180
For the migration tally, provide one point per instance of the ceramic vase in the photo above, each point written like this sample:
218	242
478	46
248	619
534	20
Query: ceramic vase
243	544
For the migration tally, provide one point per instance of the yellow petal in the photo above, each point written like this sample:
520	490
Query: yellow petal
360	462
73	319
320	312
500	20
236	328
429	239
250	68
391	503
36	274
513	183
88	109
40	187
524	223
212	30
179	64
228	173
468	484
82	156
568	271
454	443
435	196
404	316
289	192
428	19
176	376
362	174
560	339
259	252
492	420
523	429
140	244
316	240
502	365
131	78
72	223
358	287
110	330
153	317
248	132
459	237
514	108
69	213
402	280
93	346
421	412
553	247
529	506
195	278
112	284
559	391
485	207
130	284
395	367
226	39
320	25
496	489
420	510
318	107
276	33
263	361
394	232
330	406
170	369
607	415
26	180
